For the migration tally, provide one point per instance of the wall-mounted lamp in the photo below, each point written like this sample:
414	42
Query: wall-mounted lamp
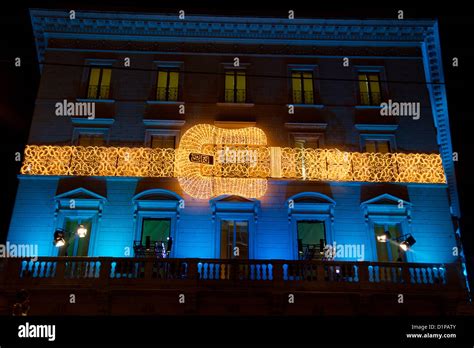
408	242
81	231
59	240
384	237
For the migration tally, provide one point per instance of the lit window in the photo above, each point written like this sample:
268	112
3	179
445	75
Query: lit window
162	141
167	85
381	146
302	86
369	86
91	140
99	83
311	239
235	90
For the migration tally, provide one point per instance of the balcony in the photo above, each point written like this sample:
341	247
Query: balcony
201	279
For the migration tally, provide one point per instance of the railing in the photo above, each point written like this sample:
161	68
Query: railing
235	96
167	93
303	97
371	98
98	92
65	271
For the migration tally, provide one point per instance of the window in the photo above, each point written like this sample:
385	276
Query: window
311	239
369	87
155	231
381	146
90	140
75	246
162	141
307	142
389	251
167	85
235	90
302	87
234	239
99	83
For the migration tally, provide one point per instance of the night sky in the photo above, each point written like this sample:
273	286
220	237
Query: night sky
18	86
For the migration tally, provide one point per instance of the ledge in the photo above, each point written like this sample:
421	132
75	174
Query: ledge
105	101
240	105
234	124
163	123
306	126
368	107
314	106
92	121
376	127
165	102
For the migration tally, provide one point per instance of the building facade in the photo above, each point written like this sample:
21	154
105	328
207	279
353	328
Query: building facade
225	138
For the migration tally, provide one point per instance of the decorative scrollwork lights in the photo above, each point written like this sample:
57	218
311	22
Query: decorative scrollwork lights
242	163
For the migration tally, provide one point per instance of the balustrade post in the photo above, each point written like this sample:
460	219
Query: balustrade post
363	269
105	269
277	270
148	268
192	273
60	268
405	274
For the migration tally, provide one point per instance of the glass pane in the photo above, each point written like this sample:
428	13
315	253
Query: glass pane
308	88
229	86
83	243
241	87
157	229
311	232
242	239
363	84
383	146
297	88
370	146
382	248
374	83
105	83
396	253
93	87
227	232
174	77
162	141
162	79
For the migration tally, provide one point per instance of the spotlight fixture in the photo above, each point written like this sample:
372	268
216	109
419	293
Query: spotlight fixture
407	243
81	231
59	238
384	237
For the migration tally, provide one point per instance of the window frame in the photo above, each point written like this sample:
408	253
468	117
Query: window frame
314	70
384	90
78	131
390	138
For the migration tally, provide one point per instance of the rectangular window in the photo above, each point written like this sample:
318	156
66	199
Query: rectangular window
75	245
167	85
91	140
99	83
369	87
311	239
307	143
381	146
235	89
234	234
163	141
302	86
155	230
389	251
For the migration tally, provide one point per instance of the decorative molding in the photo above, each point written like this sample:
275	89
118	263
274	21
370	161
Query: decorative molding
306	126
376	127
234	124
163	123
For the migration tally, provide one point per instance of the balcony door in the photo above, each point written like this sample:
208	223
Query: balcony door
234	239
311	236
155	230
389	251
75	245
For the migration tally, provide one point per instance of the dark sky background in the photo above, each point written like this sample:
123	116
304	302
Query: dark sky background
18	86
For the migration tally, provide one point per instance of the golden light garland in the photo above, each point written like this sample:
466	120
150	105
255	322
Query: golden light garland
242	163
